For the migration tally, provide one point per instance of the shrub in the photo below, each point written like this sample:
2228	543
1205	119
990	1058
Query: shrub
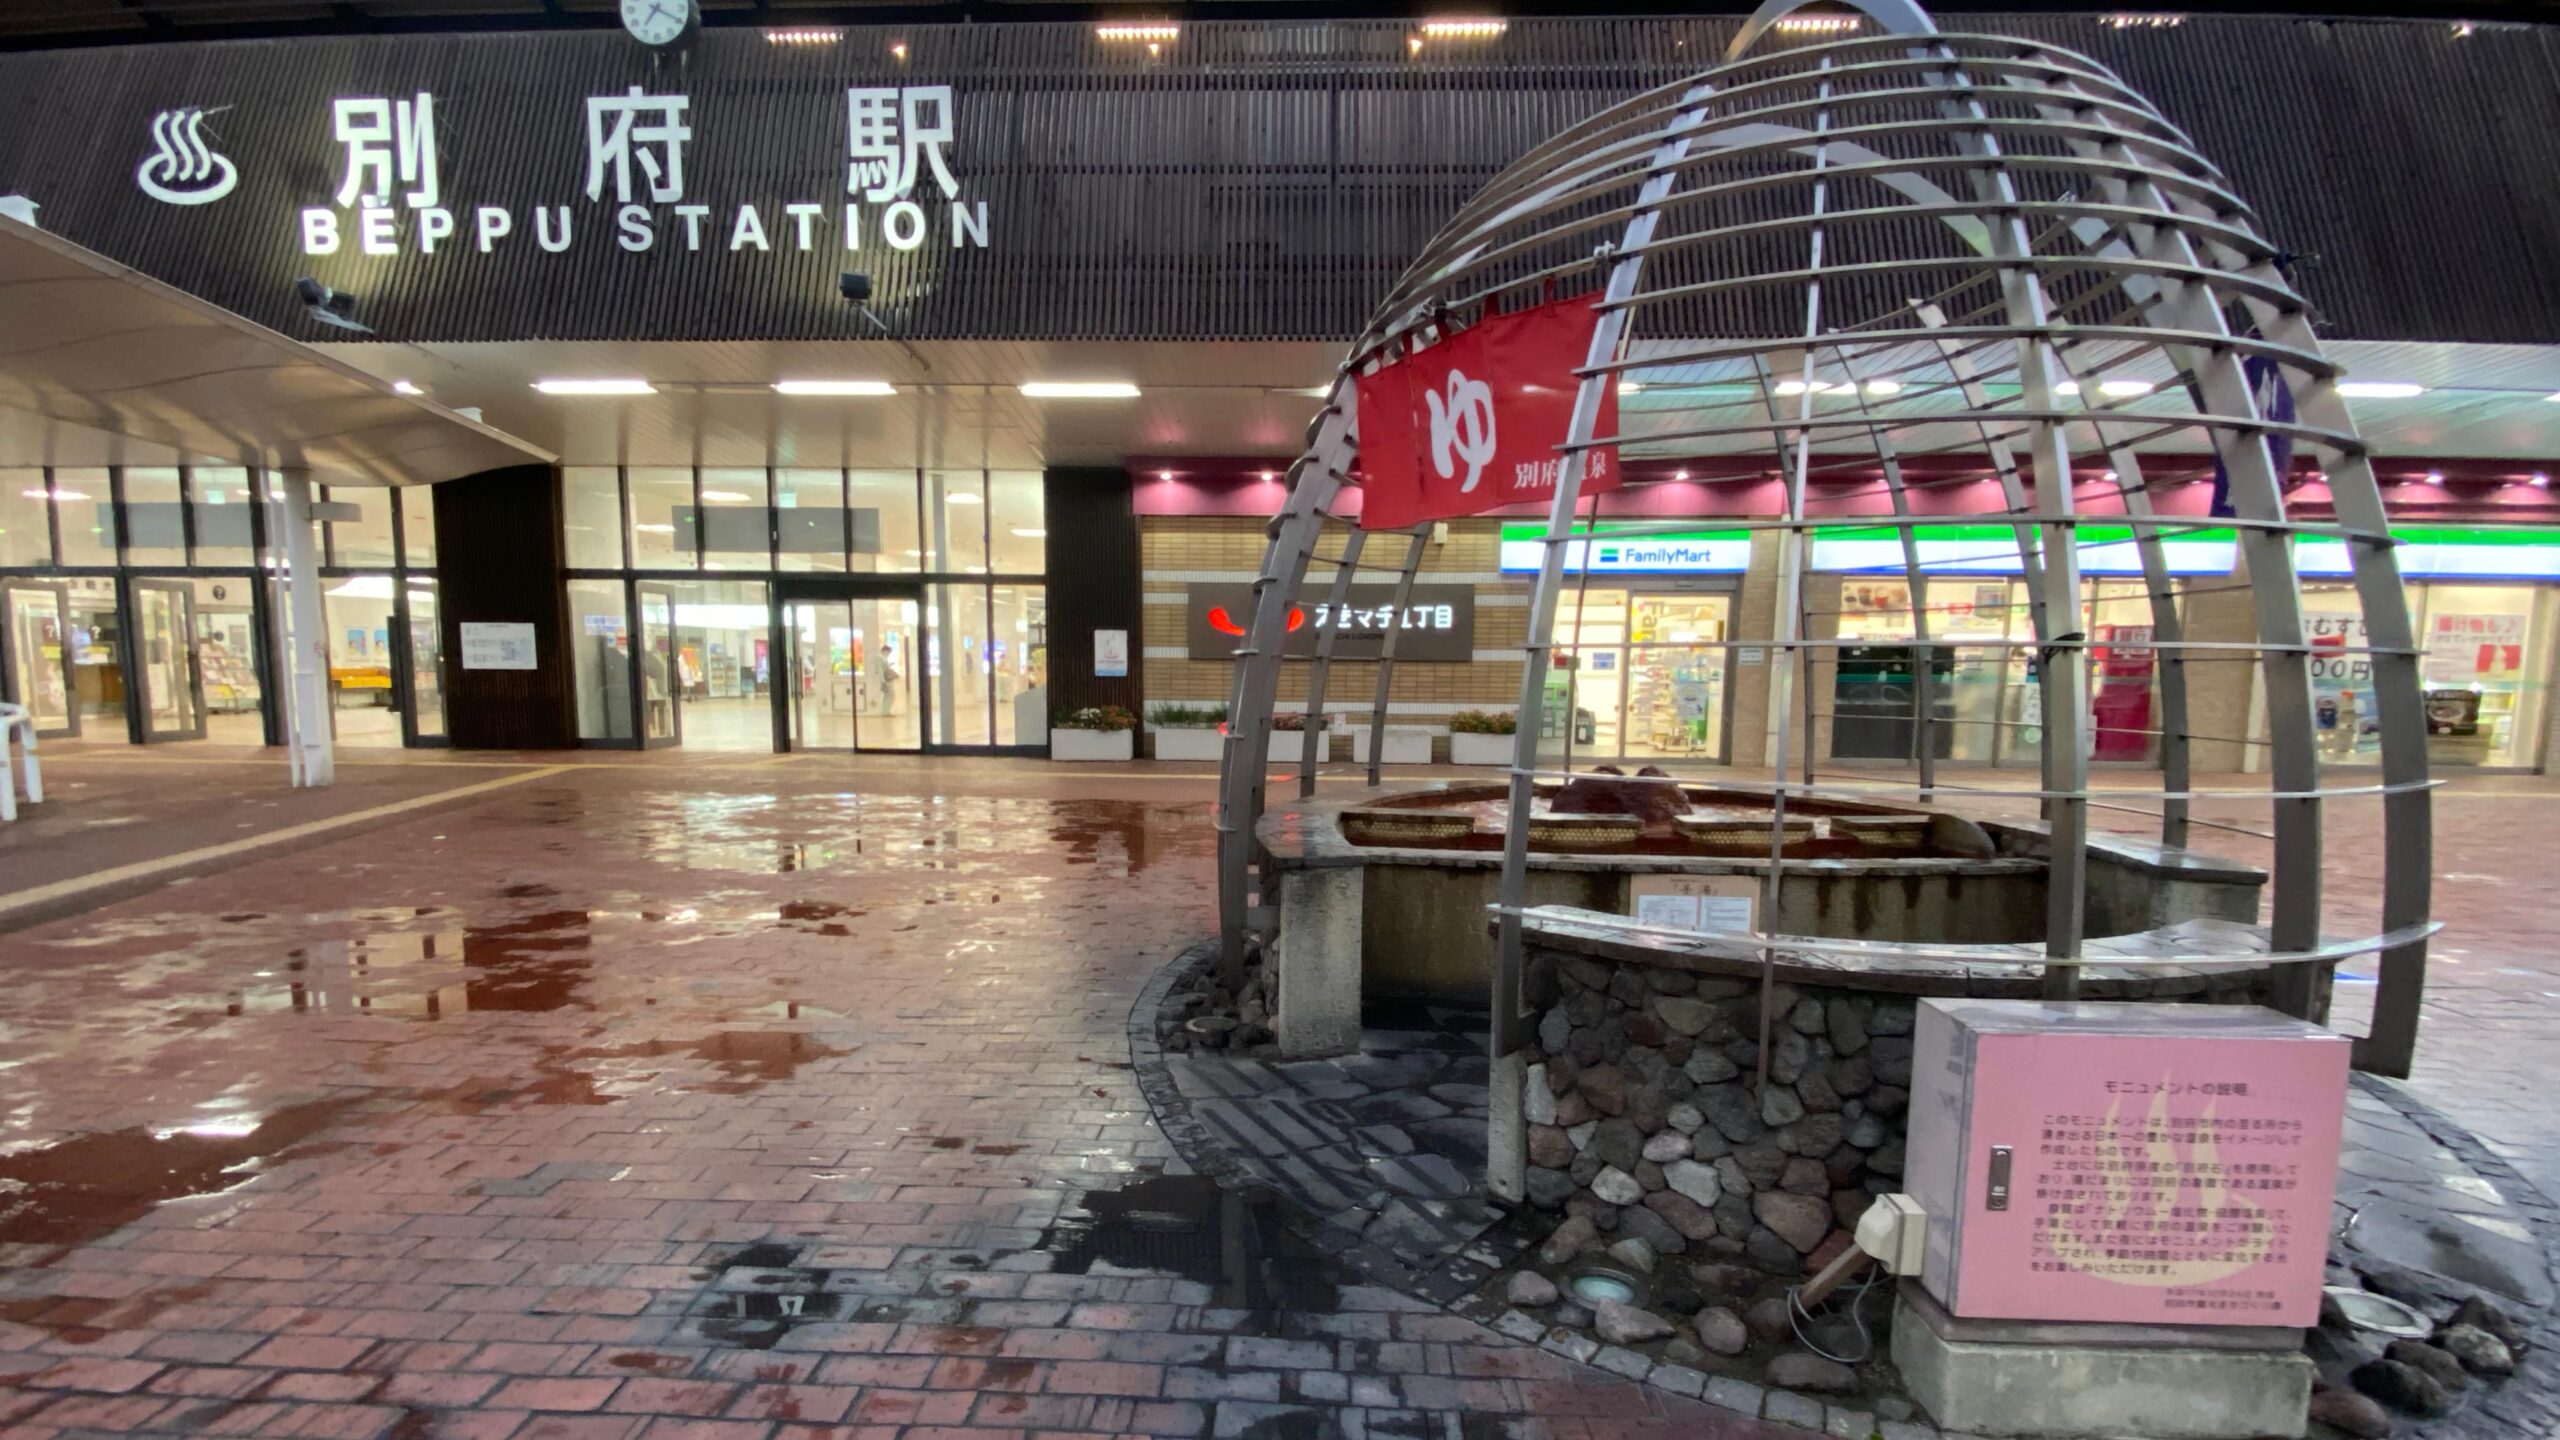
1484	722
1174	716
1287	723
1095	717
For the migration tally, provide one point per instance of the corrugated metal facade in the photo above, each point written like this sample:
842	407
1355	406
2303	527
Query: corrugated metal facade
1258	181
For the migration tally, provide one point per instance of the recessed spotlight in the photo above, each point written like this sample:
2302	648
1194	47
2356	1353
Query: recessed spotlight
2124	389
1464	29
835	387
2435	477
1269	475
898	51
407	387
803	35
1157	32
1679	474
1164	474
2106	474
2379	390
1080	390
595	387
655	529
2540	481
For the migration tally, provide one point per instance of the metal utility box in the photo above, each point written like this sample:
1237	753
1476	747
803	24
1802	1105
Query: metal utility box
2127	1164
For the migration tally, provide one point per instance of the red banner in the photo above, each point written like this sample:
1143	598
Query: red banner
1472	423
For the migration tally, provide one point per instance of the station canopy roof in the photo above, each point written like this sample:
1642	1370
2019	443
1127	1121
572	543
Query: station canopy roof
103	365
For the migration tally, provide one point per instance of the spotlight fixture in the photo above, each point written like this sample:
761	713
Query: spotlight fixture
1454	29
1679	474
407	387
898	51
1269	475
835	387
2540	481
595	387
1079	390
1164	474
854	285
803	35
2379	390
2435	477
1156	32
333	308
1817	25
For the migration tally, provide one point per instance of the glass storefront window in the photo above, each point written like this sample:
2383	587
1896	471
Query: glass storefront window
956	504
662	529
221	503
26	528
591	516
1017	533
1675	676
359	613
365	540
84	508
2486	671
2343	716
885	535
155	517
2124	671
736	533
426	656
809	520
720	633
417	525
1019	660
600	656
227	646
956	650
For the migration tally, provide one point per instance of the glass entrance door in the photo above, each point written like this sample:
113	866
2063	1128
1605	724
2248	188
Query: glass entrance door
38	620
164	660
661	692
849	676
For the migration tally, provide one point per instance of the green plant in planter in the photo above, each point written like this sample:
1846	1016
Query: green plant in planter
1174	716
1095	717
1484	722
1292	723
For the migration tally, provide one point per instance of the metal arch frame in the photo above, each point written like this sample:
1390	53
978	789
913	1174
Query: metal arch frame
2159	233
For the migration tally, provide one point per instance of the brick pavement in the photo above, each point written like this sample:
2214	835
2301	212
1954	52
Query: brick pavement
654	1100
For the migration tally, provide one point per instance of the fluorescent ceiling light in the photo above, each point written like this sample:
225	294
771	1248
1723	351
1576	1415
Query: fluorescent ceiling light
835	387
1080	390
1630	387
595	387
1790	387
962	497
1884	387
1031	534
727	497
2379	389
2067	387
656	529
1158	32
364	587
406	387
1840	387
2124	389
1464	29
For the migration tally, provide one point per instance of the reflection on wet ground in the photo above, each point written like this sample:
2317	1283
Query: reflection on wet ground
1234	1242
85	1187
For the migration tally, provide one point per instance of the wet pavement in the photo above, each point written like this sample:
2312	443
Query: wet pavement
650	1098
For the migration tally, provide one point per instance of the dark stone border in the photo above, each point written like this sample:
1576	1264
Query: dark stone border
2528	1403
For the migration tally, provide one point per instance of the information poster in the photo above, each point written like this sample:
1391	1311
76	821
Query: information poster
1111	654
1712	904
2342	708
497	645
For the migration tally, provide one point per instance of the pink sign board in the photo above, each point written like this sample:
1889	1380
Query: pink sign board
2150	1178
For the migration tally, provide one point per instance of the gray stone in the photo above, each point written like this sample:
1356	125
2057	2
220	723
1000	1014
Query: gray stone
1617	1142
1892	1054
1721	1331
1866	1132
1684	1016
1550	1147
1888	1100
1569	1240
1581	1134
2479	1351
1531	1288
2479	1313
1789	1053
1779	1106
1537	1102
1887	1159
1893	1407
1642	1225
1586	972
2437	1365
1767	1320
1708	1067
1623	1324
1584	1169
1648	1108
1572	1110
1709	1144
1763	1164
1648	1175
1740	1396
1733	1223
1800	1220
1684	1117
1616	1186
1798	1370
1816	1092
1786	1407
1847	1024
1666	1147
2401	1387
1692	1220
1892	1017
2355	1414
1733	1111
1549	1189
1555	1031
1805	1177
1815	1135
1806	1017
1669	982
1633	1253
1848	1205
1698	1182
1764	1249
1605	1086
1729	1175
1681	1350
1850	1075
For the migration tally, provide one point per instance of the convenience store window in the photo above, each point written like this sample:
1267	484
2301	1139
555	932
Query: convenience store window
2486	671
1641	674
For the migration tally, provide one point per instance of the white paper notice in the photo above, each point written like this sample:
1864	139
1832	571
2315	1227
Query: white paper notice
1672	912
506	645
1724	914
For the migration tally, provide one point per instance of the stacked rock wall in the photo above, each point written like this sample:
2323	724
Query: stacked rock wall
1645	1114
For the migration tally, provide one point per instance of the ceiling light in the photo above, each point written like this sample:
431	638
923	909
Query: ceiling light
961	497
2106	474
655	529
64	494
835	387
727	497
1413	45
898	51
915	554
2435	477
1629	387
1030	534
1157	32
2067	387
1464	29
1080	390
1679	474
803	35
1841	387
2124	389
1884	387
2540	481
595	387
1164	474
2379	389
1791	387
1817	24
1269	476
406	387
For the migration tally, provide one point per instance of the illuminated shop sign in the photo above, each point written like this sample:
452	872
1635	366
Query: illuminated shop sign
1685	552
2443	552
1436	622
1993	550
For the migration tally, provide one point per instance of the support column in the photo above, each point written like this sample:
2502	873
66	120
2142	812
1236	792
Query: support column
307	735
1317	954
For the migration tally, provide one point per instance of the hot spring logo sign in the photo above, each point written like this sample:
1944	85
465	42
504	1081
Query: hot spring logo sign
899	187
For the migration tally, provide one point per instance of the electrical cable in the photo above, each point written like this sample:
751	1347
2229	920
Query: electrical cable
1798	1317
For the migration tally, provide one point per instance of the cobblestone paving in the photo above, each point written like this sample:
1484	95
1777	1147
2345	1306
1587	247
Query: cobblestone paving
638	1101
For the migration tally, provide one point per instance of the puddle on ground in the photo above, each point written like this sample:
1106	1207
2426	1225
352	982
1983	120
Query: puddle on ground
1233	1241
1108	833
83	1188
747	1059
535	963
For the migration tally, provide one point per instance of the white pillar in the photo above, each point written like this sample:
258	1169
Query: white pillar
306	653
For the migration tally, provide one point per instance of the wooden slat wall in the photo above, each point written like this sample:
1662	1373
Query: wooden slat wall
1093	585
499	559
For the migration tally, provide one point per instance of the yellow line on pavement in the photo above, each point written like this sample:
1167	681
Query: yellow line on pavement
145	869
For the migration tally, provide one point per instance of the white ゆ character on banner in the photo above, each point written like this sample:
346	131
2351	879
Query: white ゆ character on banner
1463	425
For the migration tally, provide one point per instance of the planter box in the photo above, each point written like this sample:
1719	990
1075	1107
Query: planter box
1405	745
1475	749
1092	744
1190	742
1286	746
